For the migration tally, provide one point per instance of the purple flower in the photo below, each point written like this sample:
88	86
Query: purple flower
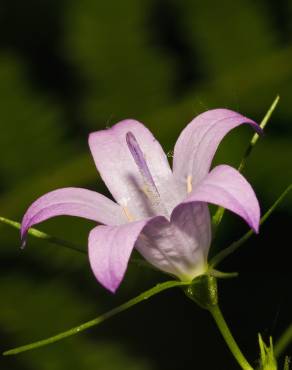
163	213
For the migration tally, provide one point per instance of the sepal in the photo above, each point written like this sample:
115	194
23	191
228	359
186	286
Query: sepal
267	357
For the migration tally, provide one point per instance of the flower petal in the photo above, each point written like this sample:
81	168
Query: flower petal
198	142
226	187
179	247
73	202
109	249
120	173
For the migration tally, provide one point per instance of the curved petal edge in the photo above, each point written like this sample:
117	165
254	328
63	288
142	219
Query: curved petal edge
198	142
226	187
109	249
72	202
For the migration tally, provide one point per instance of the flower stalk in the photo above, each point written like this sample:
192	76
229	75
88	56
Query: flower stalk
228	337
204	292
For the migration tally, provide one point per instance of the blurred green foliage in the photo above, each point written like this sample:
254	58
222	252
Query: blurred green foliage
70	67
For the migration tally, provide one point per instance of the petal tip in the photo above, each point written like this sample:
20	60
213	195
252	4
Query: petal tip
112	288
256	227
23	244
258	129
254	222
23	235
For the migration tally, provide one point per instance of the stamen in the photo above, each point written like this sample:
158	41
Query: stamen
149	188
128	214
189	184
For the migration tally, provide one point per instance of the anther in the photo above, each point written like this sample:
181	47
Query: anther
128	214
189	184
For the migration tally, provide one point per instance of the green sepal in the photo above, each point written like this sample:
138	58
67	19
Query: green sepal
267	356
223	275
203	290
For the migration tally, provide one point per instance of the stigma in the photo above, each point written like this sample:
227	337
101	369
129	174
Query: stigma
149	187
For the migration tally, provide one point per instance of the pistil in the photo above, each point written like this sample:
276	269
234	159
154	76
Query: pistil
149	187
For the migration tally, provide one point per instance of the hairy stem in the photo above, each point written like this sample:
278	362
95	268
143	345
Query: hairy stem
77	329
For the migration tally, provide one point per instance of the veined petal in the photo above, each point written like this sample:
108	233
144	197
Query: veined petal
72	202
120	173
109	250
198	142
179	247
226	187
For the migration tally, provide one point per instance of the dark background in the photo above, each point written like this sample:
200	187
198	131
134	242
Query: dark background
71	67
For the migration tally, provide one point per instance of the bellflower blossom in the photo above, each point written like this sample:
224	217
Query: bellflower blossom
163	213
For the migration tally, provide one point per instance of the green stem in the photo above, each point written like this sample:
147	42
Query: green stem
41	235
230	341
65	243
238	243
283	342
255	137
123	307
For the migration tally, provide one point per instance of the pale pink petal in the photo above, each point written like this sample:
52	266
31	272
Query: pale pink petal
198	142
226	187
109	250
72	202
179	247
118	169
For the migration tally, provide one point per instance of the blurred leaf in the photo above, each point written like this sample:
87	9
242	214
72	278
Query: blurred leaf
31	127
230	34
39	315
125	75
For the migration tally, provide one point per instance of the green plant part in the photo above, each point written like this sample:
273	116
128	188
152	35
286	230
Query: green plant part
267	356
